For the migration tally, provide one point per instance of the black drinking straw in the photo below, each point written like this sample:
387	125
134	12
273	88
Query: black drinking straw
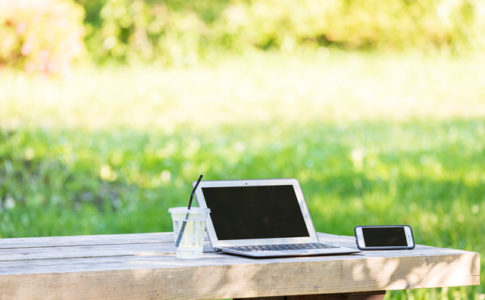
181	233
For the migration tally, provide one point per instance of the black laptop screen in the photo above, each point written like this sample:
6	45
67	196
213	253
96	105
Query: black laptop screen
255	212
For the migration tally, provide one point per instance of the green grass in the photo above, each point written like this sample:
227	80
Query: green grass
372	140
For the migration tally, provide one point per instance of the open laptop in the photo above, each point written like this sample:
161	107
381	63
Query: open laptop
261	218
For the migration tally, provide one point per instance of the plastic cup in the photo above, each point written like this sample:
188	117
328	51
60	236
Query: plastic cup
192	241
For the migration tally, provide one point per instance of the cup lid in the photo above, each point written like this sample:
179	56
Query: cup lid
184	209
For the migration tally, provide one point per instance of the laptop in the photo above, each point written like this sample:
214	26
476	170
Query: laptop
261	218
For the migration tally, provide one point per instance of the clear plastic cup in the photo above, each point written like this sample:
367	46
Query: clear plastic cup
192	240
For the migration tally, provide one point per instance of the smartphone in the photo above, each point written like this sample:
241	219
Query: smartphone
384	237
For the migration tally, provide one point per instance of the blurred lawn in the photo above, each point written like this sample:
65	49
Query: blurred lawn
372	139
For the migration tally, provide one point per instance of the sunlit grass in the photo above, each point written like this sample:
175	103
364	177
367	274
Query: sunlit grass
327	87
372	139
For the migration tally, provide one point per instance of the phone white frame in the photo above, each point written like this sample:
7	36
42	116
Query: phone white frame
360	241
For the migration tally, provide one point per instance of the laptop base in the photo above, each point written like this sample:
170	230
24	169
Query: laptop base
289	253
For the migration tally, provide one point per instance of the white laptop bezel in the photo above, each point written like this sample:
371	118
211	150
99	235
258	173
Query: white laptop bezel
216	243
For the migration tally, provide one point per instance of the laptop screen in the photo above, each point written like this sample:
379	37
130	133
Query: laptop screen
255	212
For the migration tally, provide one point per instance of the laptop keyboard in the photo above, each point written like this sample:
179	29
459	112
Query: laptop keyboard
282	247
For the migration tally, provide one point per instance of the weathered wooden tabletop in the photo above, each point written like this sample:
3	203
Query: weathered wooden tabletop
144	266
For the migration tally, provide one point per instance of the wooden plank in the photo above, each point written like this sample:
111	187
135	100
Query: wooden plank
140	266
116	245
242	280
116	239
147	249
84	251
218	276
86	246
81	251
378	295
108	239
96	264
168	250
165	260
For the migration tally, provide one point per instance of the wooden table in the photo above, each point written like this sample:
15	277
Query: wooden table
143	266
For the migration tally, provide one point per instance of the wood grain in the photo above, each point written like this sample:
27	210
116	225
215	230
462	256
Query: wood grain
87	240
378	295
144	266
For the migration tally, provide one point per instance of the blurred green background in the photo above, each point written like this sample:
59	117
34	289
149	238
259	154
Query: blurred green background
110	109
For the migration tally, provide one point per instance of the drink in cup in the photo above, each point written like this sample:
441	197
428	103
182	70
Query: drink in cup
189	229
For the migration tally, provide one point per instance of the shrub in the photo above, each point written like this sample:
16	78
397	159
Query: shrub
46	35
40	35
181	32
362	24
134	30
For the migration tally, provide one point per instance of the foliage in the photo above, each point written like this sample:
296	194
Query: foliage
110	151
183	32
170	32
46	36
40	36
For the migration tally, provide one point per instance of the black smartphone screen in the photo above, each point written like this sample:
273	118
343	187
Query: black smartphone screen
384	237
